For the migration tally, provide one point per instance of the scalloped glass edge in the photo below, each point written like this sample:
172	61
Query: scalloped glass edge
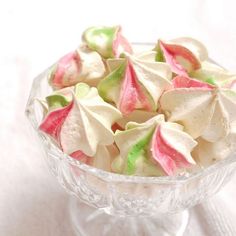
109	176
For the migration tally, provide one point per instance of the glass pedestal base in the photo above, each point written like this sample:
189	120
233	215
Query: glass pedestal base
89	221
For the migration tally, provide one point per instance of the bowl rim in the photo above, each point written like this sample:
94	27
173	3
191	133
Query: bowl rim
105	175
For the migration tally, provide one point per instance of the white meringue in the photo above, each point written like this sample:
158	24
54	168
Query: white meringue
203	112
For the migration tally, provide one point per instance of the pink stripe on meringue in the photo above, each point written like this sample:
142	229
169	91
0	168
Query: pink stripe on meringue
63	65
170	59
54	120
186	82
119	43
131	92
115	127
80	156
165	155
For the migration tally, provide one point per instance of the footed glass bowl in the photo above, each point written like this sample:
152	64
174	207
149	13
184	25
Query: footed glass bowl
113	204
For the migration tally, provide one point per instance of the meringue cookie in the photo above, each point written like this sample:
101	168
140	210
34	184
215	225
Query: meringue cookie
204	110
206	153
82	65
134	84
151	148
184	55
82	124
107	41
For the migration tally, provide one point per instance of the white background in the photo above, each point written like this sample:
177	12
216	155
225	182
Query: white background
33	34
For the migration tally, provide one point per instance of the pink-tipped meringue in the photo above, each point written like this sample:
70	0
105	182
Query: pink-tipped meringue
150	148
82	65
165	150
107	41
134	84
84	123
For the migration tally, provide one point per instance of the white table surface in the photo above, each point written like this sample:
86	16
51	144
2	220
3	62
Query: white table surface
36	33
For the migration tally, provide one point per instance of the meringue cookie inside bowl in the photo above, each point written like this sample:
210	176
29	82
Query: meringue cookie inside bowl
138	205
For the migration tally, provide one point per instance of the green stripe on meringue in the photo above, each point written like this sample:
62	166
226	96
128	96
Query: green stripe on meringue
210	80
159	54
101	39
81	90
109	87
56	101
138	150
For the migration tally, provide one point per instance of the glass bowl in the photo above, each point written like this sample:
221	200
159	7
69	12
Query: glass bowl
113	204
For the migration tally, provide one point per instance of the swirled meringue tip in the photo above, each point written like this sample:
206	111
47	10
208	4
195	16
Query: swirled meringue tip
107	41
79	121
81	65
165	151
54	120
134	84
131	93
155	147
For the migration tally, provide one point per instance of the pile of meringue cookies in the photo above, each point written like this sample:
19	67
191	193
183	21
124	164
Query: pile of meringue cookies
166	111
